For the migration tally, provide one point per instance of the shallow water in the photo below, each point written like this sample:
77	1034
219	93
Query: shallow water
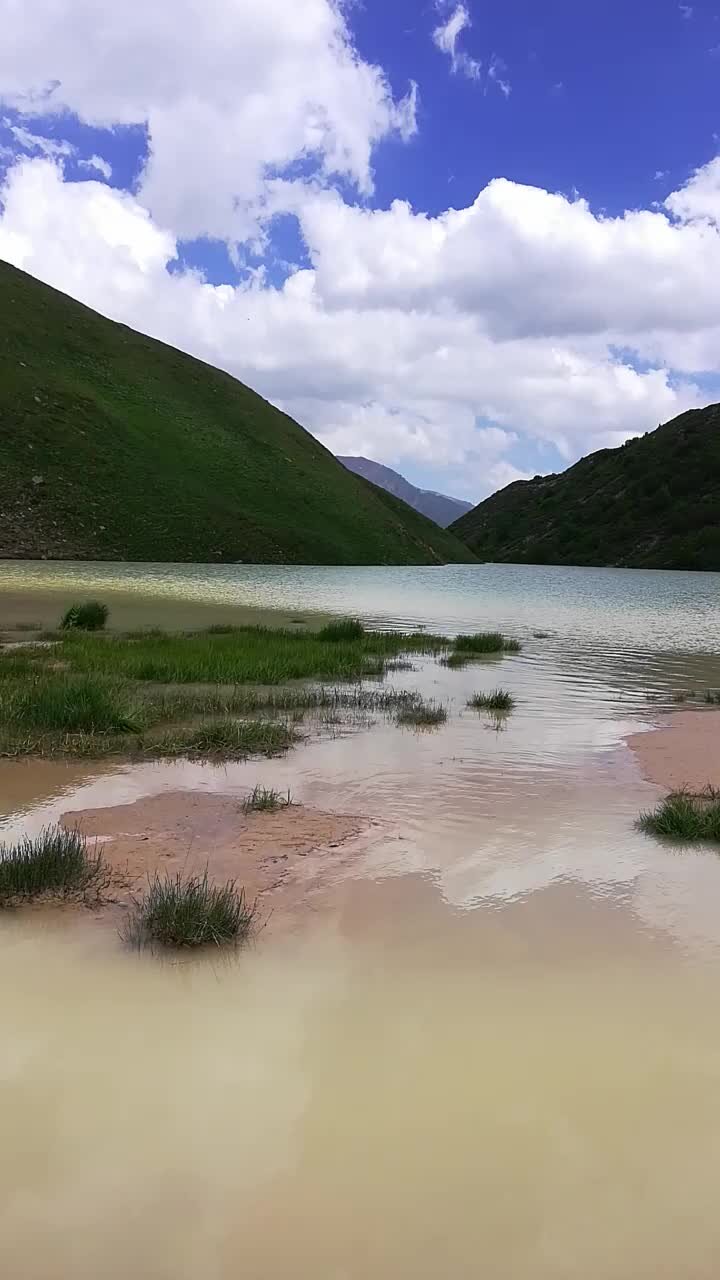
487	1046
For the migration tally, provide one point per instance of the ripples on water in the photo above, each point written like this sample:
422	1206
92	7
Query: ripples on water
651	610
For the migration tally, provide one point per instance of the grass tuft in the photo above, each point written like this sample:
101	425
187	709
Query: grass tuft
344	630
499	700
55	863
177	911
683	816
63	703
91	615
486	642
422	715
266	800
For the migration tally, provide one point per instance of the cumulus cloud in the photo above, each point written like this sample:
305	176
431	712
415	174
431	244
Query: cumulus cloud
229	90
370	367
447	35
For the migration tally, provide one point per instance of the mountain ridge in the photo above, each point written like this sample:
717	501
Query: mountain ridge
652	503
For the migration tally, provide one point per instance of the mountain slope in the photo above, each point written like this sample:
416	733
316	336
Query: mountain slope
653	503
436	506
114	446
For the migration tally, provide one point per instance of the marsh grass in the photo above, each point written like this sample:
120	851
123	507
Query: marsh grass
248	655
90	615
227	739
57	702
266	800
685	816
499	700
422	715
712	697
189	911
55	863
28	626
485	642
344	630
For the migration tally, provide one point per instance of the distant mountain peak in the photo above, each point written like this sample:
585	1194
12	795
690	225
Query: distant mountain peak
436	506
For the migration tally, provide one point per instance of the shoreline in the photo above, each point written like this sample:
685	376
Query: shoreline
682	752
131	610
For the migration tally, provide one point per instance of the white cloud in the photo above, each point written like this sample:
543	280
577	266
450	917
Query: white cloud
447	35
229	90
390	372
700	197
103	167
687	11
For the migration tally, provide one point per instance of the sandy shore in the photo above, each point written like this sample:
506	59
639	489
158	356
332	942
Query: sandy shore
683	751
44	608
277	857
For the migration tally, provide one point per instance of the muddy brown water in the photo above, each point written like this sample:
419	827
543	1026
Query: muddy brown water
486	1046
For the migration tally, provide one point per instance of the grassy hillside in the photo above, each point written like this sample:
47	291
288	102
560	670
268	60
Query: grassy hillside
654	503
113	446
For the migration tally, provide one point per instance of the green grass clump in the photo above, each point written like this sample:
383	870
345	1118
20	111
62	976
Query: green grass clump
88	616
485	642
56	702
498	700
345	629
56	863
228	739
266	800
190	911
258	655
683	816
422	715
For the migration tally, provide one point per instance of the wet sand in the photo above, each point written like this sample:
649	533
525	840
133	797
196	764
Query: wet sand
682	752
276	857
44	607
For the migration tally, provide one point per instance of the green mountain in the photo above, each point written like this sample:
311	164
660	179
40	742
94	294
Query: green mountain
114	446
654	503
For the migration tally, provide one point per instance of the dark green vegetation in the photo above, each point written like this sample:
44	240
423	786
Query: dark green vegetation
89	616
189	911
653	503
683	816
485	642
266	800
114	446
343	630
422	715
56	863
499	700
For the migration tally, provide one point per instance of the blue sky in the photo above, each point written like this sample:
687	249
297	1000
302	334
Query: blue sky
230	183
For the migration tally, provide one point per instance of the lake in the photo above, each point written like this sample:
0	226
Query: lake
486	1043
